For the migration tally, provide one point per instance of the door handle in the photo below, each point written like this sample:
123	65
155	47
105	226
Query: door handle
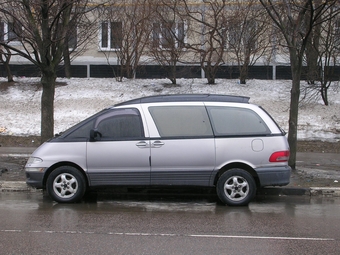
157	144
142	144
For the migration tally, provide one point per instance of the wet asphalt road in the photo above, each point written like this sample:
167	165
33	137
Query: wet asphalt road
32	224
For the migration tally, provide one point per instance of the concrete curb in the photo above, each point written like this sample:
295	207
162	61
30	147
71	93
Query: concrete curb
312	191
291	191
21	186
15	186
284	191
325	192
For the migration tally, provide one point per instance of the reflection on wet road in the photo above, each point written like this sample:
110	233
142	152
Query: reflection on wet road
168	225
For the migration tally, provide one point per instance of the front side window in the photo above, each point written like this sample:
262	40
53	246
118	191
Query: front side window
234	121
181	121
111	35
122	124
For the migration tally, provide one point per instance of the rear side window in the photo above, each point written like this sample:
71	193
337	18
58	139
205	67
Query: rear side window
181	121
234	121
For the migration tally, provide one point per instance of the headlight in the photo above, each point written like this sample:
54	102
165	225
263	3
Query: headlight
34	160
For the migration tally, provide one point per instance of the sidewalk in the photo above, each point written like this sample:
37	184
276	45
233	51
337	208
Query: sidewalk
317	174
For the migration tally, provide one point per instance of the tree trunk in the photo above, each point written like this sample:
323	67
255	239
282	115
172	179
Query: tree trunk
47	105
5	59
324	93
312	65
209	73
67	63
294	109
128	71
243	73
9	73
312	47
173	74
244	68
211	79
312	55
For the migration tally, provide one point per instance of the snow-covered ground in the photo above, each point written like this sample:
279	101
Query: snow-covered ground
82	97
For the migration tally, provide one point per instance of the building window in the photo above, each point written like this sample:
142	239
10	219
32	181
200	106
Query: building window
169	35
72	38
9	31
241	35
337	34
2	31
13	31
111	35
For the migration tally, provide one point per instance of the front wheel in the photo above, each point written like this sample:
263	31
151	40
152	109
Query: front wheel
66	185
236	187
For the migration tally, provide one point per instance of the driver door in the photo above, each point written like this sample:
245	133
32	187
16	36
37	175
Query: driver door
120	155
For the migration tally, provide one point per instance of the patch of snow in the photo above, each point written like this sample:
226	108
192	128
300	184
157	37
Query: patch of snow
82	97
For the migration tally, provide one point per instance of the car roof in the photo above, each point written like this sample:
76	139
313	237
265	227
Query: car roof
187	98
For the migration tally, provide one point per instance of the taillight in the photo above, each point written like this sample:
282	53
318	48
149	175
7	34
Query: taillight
279	156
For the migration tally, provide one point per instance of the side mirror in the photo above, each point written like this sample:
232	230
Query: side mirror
95	135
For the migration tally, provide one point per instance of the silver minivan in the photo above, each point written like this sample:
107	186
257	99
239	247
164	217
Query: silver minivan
168	140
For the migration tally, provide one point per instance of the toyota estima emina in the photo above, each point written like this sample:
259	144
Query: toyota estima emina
179	140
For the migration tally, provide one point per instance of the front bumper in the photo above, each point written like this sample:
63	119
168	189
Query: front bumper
35	179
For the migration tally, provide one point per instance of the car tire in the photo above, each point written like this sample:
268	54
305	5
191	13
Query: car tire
66	184
236	187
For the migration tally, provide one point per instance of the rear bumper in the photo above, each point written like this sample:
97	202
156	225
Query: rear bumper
274	176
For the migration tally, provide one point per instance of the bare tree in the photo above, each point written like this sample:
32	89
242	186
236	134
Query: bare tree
329	55
128	30
168	37
312	48
289	17
208	19
322	57
247	35
41	28
71	38
82	31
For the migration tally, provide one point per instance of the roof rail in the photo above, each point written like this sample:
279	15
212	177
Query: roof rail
187	98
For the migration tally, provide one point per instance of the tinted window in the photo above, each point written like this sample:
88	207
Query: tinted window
236	121
181	121
83	131
120	125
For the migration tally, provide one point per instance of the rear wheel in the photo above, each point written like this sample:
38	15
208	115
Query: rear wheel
236	187
66	185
